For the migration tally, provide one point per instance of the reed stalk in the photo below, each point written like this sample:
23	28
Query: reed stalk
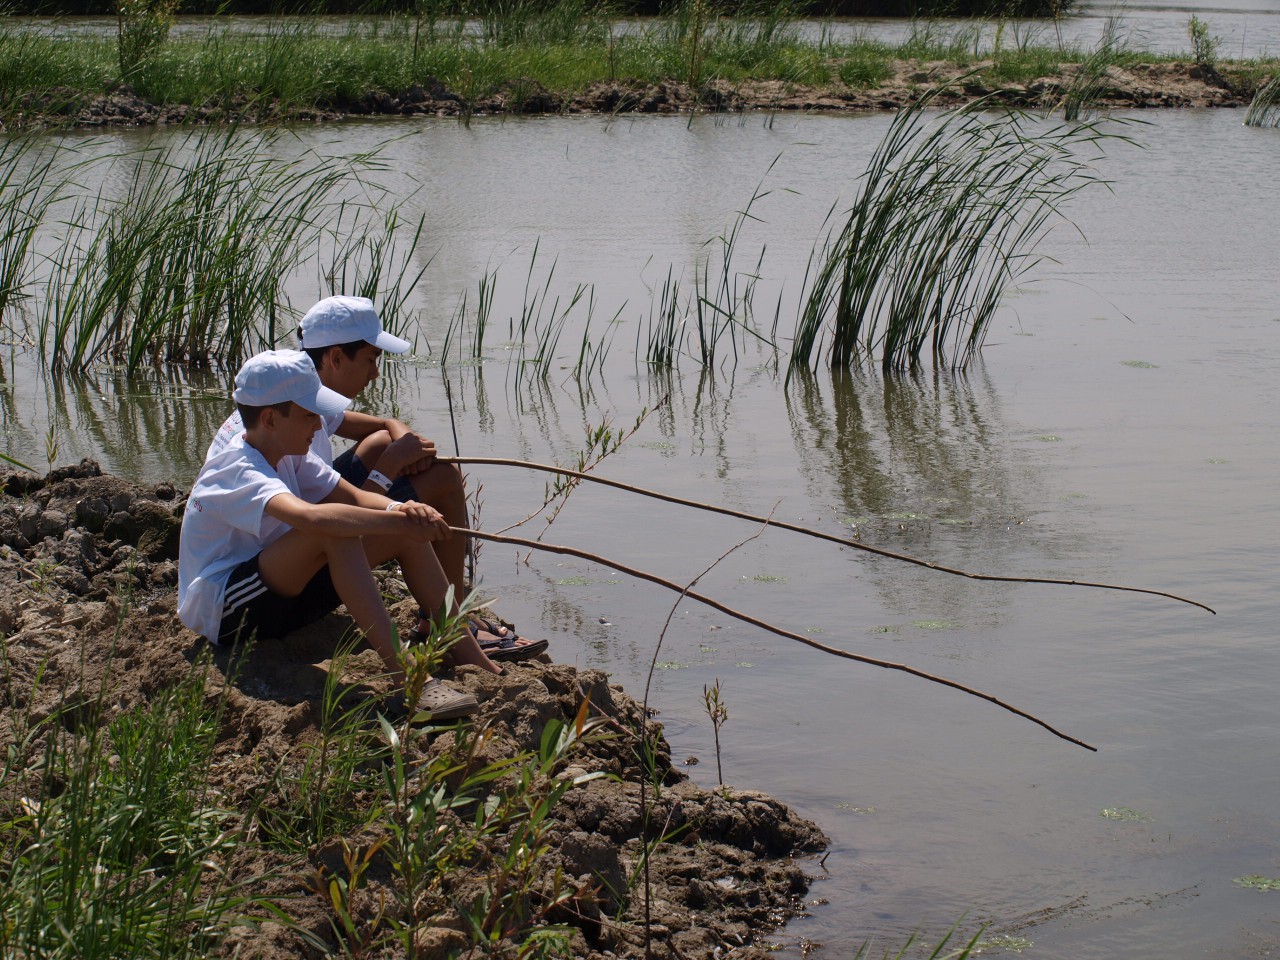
1264	108
29	187
950	214
191	263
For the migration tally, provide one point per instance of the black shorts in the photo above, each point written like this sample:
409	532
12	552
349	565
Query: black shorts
353	470
251	608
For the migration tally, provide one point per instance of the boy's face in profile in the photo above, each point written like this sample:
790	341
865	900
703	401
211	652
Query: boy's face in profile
350	375
295	429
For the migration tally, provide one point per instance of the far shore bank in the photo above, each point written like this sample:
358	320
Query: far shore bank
572	58
1139	86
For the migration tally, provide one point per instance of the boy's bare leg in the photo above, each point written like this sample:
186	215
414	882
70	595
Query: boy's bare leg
426	581
288	564
440	486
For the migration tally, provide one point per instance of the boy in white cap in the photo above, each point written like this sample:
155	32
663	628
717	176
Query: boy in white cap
343	335
273	538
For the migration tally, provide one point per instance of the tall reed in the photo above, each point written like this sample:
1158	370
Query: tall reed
29	186
1264	108
950	214
190	264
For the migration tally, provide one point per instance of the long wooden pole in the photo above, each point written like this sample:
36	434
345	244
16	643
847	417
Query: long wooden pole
764	625
810	532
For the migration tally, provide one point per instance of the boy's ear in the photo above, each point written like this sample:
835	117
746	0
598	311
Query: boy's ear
332	356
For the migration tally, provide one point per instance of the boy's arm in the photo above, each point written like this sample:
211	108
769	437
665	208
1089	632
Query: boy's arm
355	513
408	453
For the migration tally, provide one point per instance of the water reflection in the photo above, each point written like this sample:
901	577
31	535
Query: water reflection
154	426
924	464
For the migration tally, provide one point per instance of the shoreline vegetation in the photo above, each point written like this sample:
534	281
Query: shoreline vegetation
162	798
575	58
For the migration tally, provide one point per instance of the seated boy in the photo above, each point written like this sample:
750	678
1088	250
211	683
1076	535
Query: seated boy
344	338
273	538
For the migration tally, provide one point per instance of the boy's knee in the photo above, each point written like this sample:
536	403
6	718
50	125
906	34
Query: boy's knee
439	480
372	447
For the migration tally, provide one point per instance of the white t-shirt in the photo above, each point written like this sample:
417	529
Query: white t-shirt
226	523
321	445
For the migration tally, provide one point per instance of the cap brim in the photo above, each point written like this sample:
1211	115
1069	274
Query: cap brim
325	402
389	343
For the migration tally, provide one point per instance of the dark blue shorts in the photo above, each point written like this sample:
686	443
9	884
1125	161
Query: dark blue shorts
354	471
251	608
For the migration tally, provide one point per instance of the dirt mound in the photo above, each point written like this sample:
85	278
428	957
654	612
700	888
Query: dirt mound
87	573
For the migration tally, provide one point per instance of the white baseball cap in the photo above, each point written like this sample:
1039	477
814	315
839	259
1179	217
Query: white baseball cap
337	320
277	376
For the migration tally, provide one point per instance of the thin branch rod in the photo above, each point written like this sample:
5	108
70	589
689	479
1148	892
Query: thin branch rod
764	625
809	531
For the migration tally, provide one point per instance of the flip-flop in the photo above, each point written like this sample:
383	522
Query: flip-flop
497	627
510	651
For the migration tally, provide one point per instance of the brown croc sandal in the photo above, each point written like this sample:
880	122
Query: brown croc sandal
439	701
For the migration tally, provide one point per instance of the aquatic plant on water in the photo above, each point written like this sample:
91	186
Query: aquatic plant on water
1264	108
950	214
189	264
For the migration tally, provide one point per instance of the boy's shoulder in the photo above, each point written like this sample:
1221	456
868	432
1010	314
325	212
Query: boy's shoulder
232	429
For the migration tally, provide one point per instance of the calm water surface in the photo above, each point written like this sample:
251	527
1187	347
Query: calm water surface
1121	427
1243	28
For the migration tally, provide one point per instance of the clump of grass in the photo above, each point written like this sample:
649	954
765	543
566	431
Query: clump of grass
949	215
1204	45
29	186
142	26
1264	108
190	264
1089	79
111	846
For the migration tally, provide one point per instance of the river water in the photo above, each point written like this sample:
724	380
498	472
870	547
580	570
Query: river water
1241	28
1115	430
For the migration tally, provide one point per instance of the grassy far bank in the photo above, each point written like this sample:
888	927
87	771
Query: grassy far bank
293	67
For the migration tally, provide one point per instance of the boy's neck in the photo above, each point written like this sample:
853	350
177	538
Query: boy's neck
261	441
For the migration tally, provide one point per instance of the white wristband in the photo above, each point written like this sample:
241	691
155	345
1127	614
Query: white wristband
393	505
381	479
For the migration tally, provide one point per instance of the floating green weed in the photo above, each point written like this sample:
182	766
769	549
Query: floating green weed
1139	364
769	578
744	664
1256	882
1215	460
671	665
1125	813
1048	438
851	808
1005	942
935	624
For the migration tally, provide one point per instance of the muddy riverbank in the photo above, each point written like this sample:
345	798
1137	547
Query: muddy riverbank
1138	86
87	581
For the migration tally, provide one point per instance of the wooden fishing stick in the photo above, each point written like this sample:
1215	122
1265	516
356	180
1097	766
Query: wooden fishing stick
809	531
765	625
